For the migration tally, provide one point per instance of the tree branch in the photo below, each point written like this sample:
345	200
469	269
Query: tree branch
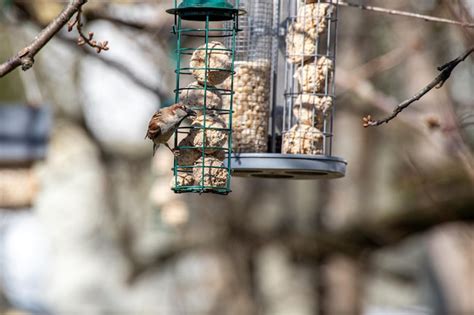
427	18
438	82
159	92
25	57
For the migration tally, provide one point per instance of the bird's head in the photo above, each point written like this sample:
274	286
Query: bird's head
182	111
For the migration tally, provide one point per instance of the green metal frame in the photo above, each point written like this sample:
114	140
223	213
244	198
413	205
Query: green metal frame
207	11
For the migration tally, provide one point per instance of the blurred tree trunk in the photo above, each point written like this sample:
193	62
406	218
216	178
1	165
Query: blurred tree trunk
337	279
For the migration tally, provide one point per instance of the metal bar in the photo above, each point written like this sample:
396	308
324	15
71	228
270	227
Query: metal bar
333	92
206	74
231	101
274	84
177	96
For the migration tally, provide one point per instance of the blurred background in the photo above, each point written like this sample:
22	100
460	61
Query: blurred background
89	225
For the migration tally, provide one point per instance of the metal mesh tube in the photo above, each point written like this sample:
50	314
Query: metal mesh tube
204	147
309	77
252	81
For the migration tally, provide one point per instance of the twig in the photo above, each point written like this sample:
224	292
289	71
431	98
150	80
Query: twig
159	92
459	11
438	82
89	39
427	18
370	95
25	57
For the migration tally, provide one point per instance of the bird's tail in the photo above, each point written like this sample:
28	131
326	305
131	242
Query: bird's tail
155	148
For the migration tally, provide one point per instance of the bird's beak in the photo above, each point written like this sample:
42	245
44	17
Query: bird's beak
191	112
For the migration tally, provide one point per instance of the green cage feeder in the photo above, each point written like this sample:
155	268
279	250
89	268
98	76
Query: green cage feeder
204	83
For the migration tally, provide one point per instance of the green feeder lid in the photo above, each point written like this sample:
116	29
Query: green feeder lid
198	10
222	4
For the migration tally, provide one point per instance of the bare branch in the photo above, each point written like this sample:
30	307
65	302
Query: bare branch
438	82
427	18
159	92
25	57
89	39
459	11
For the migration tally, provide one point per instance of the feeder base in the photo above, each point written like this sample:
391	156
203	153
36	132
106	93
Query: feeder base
287	166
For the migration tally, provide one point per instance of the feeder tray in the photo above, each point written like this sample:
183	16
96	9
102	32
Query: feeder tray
287	166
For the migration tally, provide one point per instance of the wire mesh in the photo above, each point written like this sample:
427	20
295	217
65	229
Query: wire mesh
204	147
309	77
252	100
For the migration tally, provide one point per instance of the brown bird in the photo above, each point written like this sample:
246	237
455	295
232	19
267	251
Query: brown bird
164	123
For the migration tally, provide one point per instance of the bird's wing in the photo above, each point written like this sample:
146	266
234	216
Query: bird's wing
154	129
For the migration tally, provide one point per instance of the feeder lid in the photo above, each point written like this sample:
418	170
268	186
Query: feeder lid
198	10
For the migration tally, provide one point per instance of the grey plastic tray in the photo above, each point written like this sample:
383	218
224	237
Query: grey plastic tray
290	166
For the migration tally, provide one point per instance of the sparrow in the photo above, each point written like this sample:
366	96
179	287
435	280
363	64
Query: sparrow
164	123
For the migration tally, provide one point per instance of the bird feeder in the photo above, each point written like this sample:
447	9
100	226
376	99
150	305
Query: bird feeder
253	80
205	54
299	142
24	135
